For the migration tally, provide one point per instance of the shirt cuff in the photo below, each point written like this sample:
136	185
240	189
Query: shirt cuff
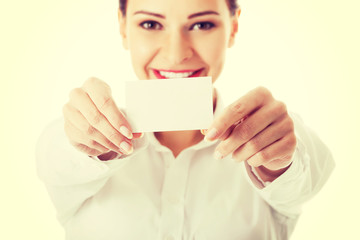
254	177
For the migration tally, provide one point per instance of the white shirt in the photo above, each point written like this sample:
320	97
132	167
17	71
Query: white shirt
152	195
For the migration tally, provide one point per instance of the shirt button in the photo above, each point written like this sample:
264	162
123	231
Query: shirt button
169	237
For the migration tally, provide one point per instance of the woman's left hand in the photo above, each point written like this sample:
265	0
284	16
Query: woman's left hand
258	129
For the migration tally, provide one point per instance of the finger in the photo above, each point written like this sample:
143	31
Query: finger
281	151
250	127
230	129
89	151
76	137
271	134
238	110
100	93
278	164
81	127
226	134
85	106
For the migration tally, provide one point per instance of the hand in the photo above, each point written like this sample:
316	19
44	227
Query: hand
94	124
256	128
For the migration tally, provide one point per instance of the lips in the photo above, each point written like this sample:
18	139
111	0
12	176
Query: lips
168	74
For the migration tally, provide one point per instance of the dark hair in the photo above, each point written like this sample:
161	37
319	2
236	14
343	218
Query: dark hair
232	4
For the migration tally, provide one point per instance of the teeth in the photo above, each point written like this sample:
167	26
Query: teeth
175	75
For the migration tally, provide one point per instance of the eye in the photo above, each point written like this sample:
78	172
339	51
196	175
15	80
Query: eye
151	25
202	26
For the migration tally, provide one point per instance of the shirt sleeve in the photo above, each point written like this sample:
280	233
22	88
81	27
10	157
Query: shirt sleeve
311	167
69	175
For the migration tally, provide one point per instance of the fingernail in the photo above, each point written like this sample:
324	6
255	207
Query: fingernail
218	155
126	132
203	131
126	147
211	134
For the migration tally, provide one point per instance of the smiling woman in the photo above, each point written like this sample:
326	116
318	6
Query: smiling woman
246	179
165	40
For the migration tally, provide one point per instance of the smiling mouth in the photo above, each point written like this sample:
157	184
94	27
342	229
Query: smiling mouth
167	74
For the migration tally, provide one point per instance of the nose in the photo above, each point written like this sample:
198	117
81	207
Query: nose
177	48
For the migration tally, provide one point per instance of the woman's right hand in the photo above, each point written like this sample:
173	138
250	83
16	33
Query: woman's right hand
93	122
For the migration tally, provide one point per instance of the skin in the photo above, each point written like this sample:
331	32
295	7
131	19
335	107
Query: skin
160	34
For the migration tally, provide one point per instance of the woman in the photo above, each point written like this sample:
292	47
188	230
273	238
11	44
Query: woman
173	185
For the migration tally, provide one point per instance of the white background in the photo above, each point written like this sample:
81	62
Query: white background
306	52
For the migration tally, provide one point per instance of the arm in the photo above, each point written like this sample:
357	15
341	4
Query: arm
69	175
278	150
71	150
312	165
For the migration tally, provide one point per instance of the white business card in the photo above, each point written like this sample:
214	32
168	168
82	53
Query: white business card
169	104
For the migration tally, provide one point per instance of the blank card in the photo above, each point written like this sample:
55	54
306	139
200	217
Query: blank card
169	104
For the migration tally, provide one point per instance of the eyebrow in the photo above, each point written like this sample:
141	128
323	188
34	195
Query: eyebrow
194	15
150	13
198	14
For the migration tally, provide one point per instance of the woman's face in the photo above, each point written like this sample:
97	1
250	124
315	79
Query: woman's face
172	38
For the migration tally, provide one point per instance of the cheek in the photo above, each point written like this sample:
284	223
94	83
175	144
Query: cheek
212	49
142	49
